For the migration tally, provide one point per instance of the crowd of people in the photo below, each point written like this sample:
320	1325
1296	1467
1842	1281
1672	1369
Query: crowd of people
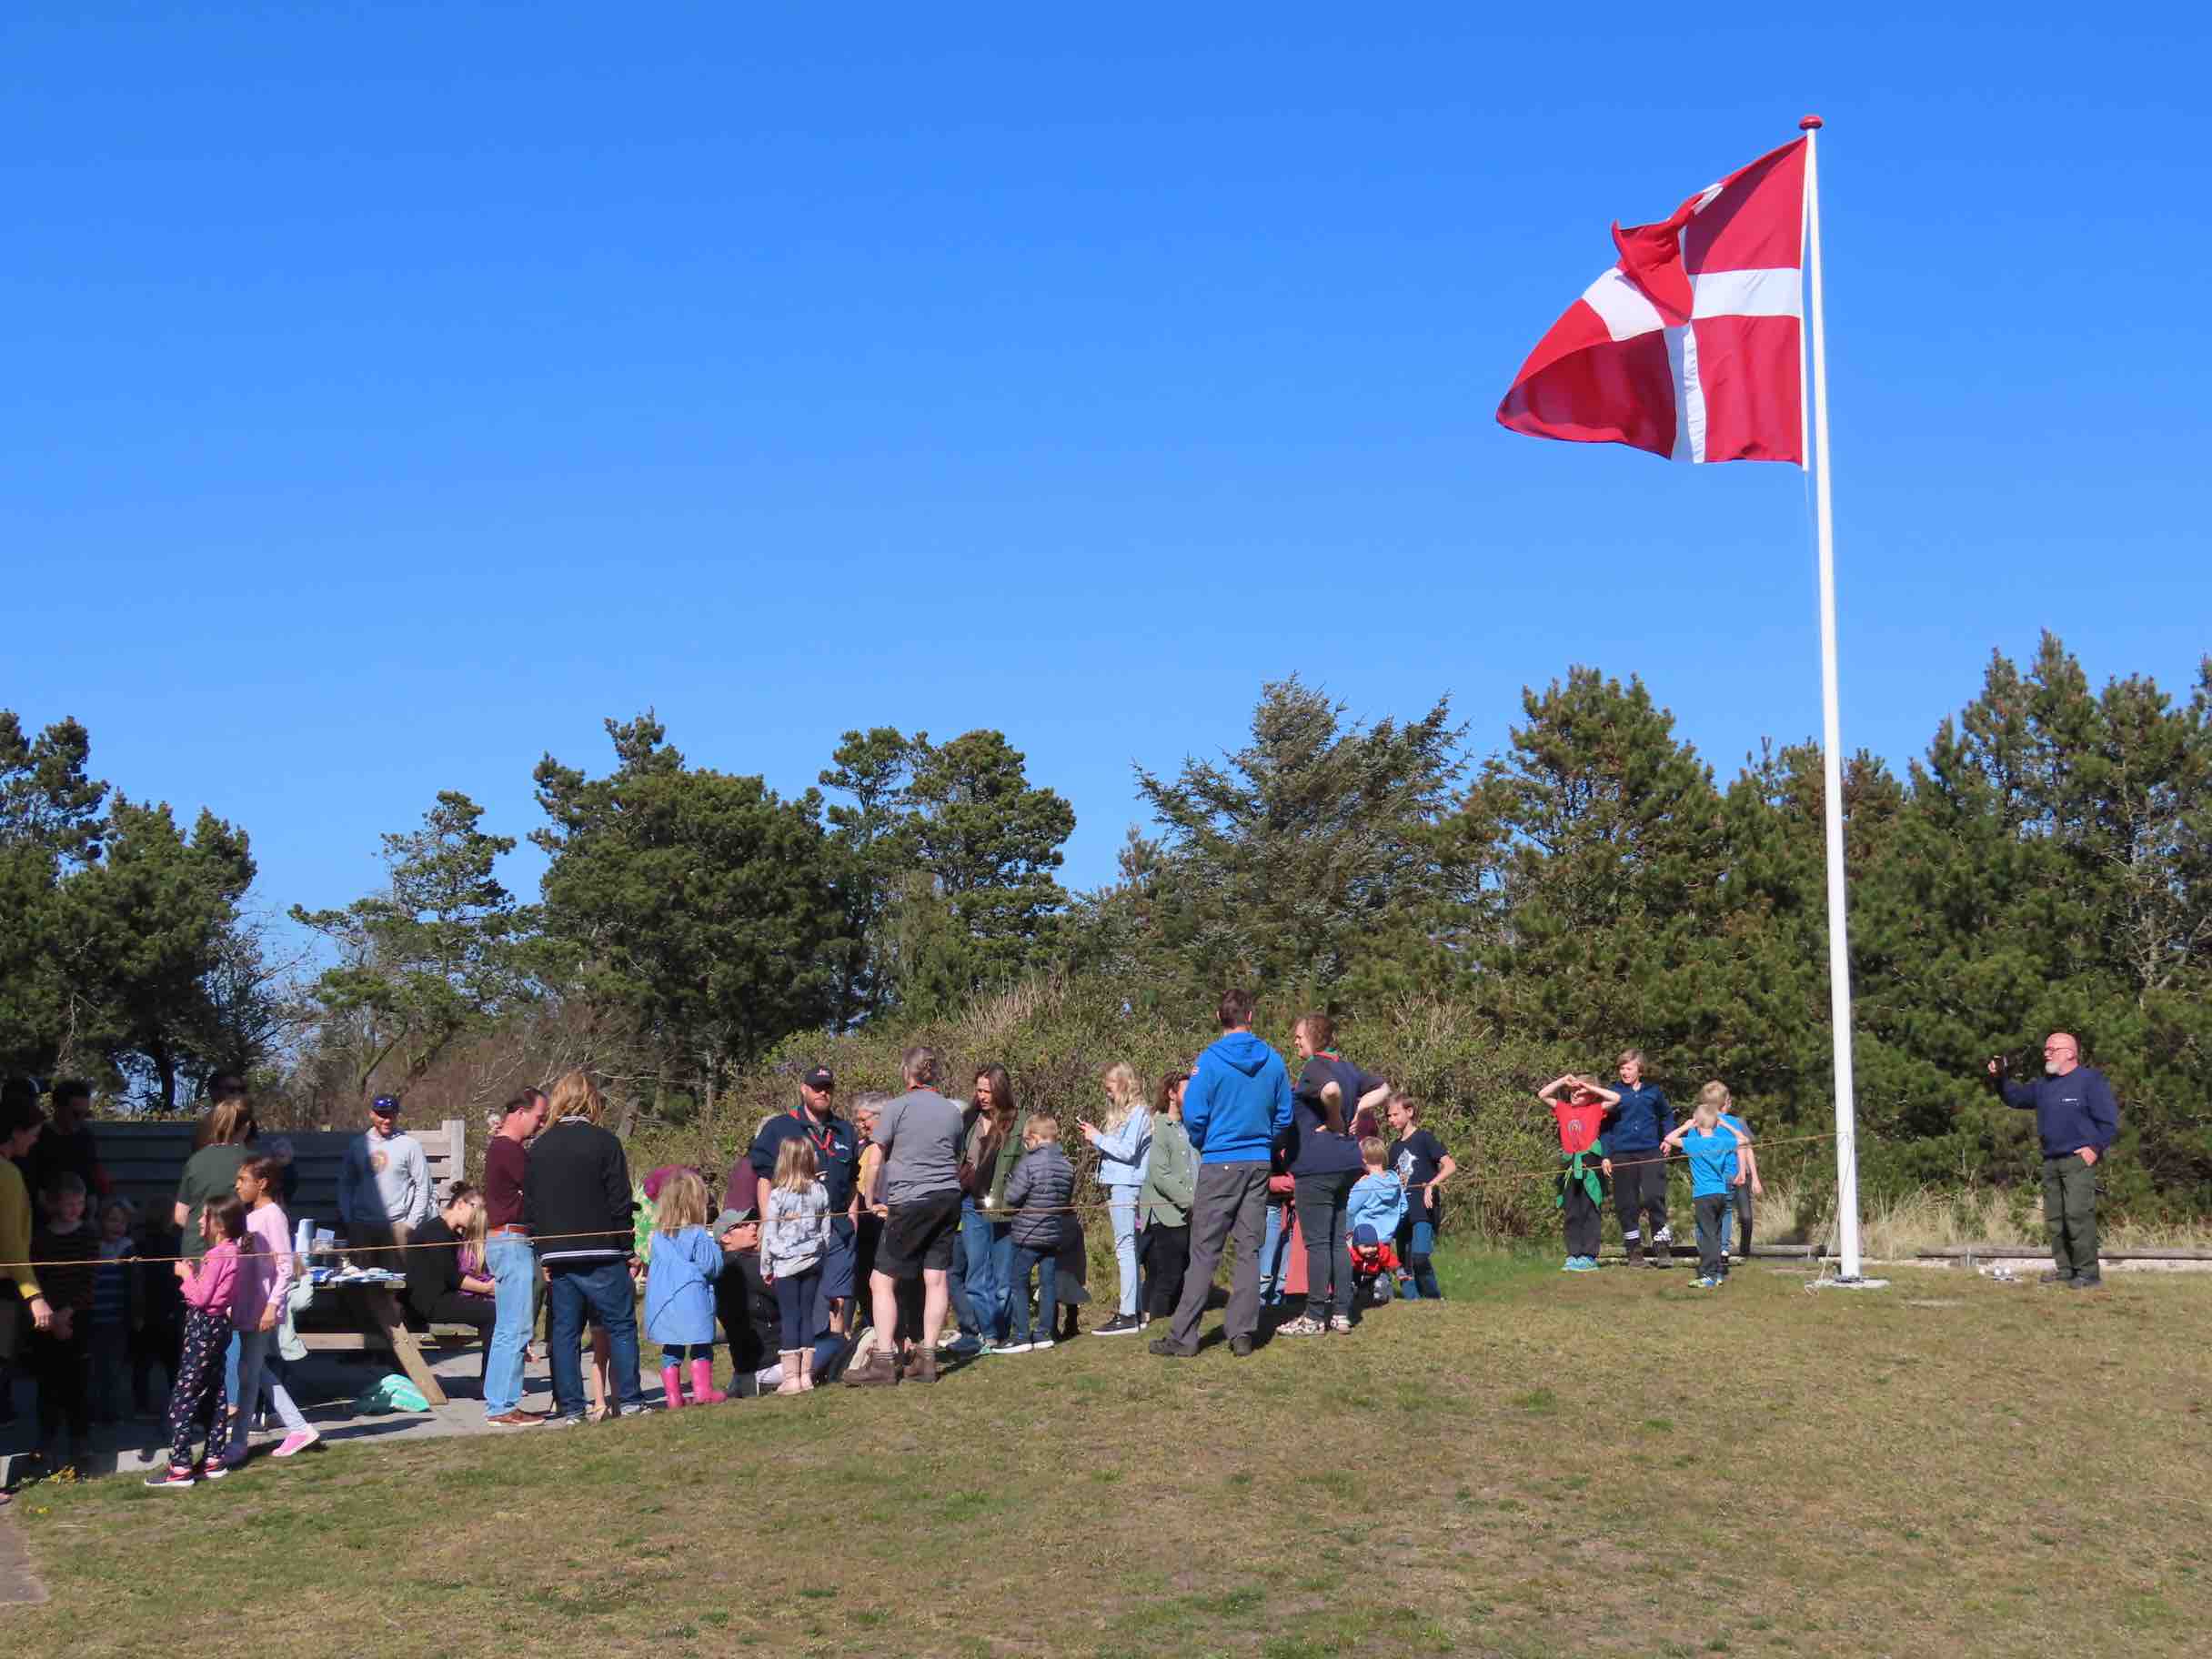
843	1250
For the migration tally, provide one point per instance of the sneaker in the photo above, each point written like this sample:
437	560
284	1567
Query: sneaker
1305	1324
1581	1265
1708	1282
178	1478
1041	1344
1340	1324
1240	1346
235	1457
213	1472
1014	1348
301	1438
1121	1324
2087	1282
636	1408
567	1420
1723	1258
2052	1275
1665	1235
964	1345
1166	1349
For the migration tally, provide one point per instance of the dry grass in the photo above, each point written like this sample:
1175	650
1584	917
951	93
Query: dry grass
1611	1464
1898	1227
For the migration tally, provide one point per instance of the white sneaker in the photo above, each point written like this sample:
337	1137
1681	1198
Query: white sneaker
1340	1324
1665	1235
1305	1324
1041	1344
1013	1348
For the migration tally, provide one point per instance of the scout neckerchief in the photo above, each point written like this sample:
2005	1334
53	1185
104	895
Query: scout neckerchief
1579	1169
824	1144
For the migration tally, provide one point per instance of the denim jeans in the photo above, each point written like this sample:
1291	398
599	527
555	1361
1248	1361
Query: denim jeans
254	1351
796	1306
1121	1204
602	1290
1417	1239
1274	1249
512	1266
1047	1264
983	1263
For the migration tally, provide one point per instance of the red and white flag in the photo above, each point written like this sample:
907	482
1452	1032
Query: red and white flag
1689	345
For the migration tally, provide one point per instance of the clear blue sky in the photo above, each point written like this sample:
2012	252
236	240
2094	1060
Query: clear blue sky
392	391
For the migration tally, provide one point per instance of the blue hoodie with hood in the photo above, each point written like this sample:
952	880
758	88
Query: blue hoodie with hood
1239	1101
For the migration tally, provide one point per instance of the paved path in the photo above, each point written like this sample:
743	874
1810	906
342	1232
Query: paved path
18	1584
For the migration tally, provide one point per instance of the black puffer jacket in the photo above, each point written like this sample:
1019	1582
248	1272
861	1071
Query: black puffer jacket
1038	1194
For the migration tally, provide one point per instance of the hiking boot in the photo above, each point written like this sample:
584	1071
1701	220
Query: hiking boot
879	1371
1166	1349
1240	1346
1635	1255
925	1367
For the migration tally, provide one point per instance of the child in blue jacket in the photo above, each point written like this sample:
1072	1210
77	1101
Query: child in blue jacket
1711	1146
679	1289
1377	1203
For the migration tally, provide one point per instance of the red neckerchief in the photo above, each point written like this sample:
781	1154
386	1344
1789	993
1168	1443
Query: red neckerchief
824	1142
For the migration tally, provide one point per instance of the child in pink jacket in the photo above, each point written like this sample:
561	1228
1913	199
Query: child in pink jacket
210	1287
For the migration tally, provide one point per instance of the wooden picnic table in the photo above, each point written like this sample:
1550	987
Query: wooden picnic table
380	1323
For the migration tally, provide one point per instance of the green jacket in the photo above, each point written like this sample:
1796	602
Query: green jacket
1170	1176
1010	1154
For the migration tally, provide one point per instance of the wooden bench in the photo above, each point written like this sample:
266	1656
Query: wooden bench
144	1161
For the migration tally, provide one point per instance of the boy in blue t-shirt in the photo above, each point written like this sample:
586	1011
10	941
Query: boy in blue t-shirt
1744	1186
1711	1147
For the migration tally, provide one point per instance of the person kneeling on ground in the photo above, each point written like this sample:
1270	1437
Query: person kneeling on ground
1037	1196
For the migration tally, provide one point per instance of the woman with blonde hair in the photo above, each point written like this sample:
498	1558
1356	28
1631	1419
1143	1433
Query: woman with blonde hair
1124	1148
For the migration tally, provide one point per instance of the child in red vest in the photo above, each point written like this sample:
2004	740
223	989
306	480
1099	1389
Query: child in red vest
1578	1105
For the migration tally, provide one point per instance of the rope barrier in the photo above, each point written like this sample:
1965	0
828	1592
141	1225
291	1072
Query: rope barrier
1092	1207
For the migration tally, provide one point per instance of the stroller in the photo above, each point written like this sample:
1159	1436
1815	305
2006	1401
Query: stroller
1375	1268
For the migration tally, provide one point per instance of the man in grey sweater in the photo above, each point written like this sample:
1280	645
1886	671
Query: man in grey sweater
384	1186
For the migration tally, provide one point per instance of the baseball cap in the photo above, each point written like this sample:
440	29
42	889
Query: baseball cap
734	1217
385	1105
819	1077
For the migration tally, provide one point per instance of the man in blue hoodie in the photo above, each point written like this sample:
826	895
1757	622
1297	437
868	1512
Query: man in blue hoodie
2077	1120
1237	1106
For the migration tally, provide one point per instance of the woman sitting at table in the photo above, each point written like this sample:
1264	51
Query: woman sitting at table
446	1284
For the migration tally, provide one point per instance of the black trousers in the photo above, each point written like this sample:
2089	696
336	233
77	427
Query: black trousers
1710	1209
1639	1190
63	1366
1167	1256
1320	1217
1580	1212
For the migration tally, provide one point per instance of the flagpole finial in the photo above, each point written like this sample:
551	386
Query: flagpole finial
1811	123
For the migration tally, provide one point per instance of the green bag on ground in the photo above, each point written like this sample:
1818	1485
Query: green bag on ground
389	1393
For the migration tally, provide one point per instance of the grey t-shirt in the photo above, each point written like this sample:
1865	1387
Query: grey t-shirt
920	1136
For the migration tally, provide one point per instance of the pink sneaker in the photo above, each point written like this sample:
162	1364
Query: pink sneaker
298	1442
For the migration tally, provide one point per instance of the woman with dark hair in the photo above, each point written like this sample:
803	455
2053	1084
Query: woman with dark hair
212	1172
987	1156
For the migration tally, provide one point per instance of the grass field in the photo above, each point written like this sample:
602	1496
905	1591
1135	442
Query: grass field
1543	1465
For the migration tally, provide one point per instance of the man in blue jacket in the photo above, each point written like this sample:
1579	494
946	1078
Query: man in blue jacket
2077	1120
1237	1106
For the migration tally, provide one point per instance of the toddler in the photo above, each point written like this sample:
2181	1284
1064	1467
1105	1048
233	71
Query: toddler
114	1311
679	1289
1377	1203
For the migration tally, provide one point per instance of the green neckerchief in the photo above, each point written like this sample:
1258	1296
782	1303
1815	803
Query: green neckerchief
1578	1170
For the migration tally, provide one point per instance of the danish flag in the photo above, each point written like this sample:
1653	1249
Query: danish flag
1689	345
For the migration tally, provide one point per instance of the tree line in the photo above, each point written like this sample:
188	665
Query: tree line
2046	863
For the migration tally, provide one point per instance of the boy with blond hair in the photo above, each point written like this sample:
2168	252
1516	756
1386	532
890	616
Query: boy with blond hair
1711	1147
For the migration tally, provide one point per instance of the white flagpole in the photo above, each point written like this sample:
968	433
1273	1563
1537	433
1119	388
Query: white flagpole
1839	942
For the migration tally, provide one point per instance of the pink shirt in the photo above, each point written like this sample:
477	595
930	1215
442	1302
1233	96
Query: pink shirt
265	1273
211	1283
